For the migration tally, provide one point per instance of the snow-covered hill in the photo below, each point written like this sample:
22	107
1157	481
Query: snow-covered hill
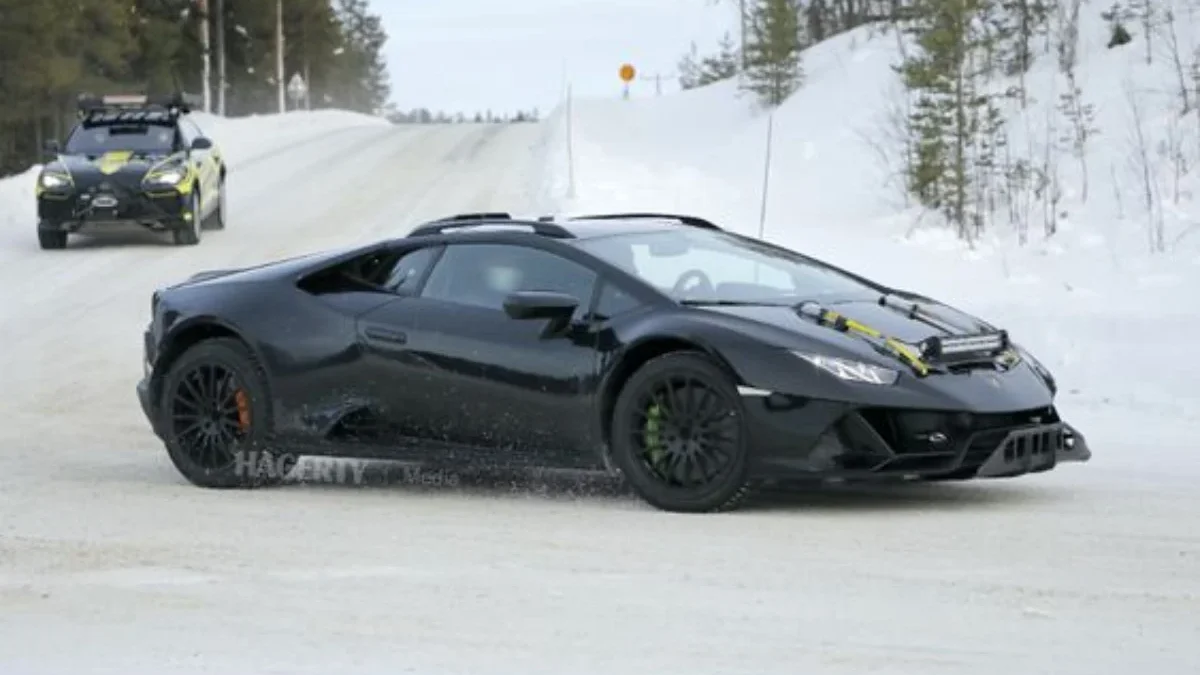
835	161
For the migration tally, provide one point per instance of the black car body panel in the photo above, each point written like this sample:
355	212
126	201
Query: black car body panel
358	368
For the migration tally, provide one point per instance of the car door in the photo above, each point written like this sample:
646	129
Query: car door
466	373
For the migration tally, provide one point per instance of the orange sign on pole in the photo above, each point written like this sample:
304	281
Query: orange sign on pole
627	73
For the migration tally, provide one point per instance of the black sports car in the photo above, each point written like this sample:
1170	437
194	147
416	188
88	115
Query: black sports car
695	362
132	160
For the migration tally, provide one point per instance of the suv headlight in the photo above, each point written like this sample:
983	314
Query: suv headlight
54	181
170	177
851	371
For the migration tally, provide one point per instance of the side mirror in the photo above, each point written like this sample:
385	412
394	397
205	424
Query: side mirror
540	305
51	147
201	143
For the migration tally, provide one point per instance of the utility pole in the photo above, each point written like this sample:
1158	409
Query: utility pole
282	87
221	57
657	77
307	64
570	147
205	56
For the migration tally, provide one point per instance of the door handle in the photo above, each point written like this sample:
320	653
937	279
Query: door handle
386	335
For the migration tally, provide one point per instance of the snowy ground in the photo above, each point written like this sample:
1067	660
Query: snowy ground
109	562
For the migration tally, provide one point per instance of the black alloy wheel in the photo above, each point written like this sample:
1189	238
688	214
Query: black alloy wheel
679	435
214	412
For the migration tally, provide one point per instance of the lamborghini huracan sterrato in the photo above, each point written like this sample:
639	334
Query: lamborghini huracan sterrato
692	361
132	160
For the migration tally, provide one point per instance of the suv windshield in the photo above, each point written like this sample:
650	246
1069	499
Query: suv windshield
703	266
147	139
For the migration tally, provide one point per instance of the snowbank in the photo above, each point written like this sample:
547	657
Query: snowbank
1090	299
246	137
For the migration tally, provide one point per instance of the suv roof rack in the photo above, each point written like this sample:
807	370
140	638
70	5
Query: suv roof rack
690	221
178	102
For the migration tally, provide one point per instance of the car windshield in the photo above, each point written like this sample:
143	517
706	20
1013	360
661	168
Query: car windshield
703	266
148	139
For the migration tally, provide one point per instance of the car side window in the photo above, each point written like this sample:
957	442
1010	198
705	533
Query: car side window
407	272
482	275
613	302
184	135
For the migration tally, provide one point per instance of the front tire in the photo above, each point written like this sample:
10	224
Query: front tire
215	415
217	220
52	239
679	435
189	234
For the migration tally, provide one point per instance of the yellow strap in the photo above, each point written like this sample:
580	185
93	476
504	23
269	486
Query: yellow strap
905	352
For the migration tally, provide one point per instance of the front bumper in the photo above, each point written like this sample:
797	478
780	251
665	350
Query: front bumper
114	205
1035	449
145	393
148	409
806	438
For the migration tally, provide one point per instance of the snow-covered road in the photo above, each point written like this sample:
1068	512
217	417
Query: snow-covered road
110	562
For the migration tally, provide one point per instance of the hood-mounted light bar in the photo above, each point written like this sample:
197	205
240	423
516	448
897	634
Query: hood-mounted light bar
964	347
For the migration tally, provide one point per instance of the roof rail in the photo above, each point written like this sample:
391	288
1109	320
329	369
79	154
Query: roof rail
690	221
482	215
481	220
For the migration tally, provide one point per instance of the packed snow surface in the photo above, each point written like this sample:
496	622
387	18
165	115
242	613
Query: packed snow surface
110	562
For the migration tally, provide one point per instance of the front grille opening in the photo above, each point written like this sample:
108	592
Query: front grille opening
931	432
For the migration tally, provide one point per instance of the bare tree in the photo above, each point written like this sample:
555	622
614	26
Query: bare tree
1139	158
1171	38
892	142
1080	116
1051	188
1170	149
1146	14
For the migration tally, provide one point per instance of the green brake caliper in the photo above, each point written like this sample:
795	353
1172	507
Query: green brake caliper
656	449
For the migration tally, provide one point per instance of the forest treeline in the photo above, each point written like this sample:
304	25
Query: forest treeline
53	50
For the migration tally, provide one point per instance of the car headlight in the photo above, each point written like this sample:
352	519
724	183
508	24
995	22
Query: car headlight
169	177
851	371
52	181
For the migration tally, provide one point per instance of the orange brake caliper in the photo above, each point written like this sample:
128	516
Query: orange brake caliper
243	409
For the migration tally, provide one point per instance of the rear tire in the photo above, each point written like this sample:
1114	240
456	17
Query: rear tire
215	416
679	435
52	239
189	234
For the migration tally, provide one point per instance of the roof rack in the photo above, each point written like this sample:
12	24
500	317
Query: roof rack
481	220
178	102
482	215
690	221
546	226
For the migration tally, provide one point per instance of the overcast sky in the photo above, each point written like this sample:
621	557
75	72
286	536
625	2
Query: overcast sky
511	55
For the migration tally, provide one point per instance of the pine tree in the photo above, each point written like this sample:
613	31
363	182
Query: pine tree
368	87
697	71
773	44
956	124
722	65
689	68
